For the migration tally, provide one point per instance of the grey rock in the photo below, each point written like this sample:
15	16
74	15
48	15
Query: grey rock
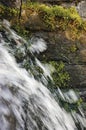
72	53
82	9
11	3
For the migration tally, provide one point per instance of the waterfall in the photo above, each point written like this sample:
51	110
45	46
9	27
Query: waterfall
25	103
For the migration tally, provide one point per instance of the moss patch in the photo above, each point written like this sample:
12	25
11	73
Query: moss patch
8	13
53	17
60	77
58	18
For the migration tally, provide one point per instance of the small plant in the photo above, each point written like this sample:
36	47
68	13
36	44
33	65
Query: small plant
7	12
73	48
60	76
20	29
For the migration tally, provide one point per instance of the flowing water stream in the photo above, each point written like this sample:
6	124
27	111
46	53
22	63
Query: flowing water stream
25	103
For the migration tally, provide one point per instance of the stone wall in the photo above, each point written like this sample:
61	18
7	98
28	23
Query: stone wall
72	53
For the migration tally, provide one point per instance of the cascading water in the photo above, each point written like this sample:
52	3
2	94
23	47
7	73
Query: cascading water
25	103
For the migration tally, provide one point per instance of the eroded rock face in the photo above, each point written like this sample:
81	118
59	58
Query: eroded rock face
61	47
72	53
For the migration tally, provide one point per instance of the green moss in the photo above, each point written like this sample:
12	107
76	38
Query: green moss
59	17
73	48
20	29
31	5
60	76
12	14
54	17
7	12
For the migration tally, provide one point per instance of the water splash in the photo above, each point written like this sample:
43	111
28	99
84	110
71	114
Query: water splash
38	45
25	103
